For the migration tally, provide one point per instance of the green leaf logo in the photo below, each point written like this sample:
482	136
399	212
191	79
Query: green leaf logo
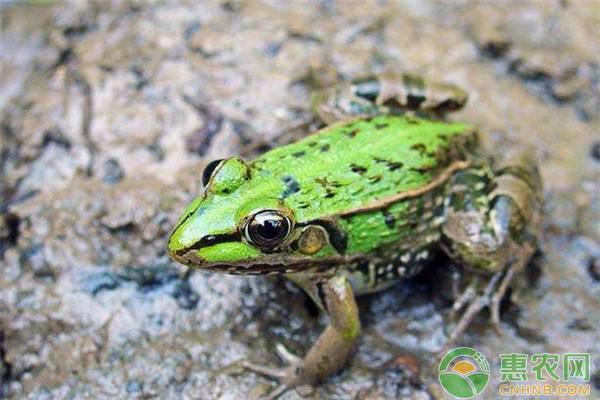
464	373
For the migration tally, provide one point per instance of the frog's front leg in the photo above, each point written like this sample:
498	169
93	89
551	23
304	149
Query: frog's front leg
492	225
386	94
332	348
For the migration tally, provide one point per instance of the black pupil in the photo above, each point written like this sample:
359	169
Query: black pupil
269	229
208	171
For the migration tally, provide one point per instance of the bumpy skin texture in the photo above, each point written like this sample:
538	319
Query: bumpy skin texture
319	180
362	204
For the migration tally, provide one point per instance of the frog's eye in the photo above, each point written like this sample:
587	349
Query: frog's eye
223	177
267	229
209	170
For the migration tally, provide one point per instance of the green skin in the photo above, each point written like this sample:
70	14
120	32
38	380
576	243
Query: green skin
368	199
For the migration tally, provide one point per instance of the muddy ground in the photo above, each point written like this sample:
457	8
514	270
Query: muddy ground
109	111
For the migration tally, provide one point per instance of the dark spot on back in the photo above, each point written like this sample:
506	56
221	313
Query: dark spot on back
390	221
421	169
420	147
375	178
312	144
382	126
326	183
357	169
329	194
394	165
325	148
291	186
299	154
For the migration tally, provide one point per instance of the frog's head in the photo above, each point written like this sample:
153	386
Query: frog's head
241	225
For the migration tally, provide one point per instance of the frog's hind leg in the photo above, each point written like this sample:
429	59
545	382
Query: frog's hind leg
333	347
492	225
412	92
387	94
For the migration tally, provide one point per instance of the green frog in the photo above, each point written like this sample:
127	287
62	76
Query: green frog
363	202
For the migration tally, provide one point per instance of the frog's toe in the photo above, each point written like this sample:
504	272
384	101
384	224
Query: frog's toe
497	297
281	389
278	374
495	314
495	322
302	390
288	376
286	355
475	305
290	359
466	297
269	372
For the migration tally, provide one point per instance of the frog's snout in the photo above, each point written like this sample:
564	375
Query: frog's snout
179	251
175	256
185	256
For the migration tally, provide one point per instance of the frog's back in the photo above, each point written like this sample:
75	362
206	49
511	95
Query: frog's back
350	164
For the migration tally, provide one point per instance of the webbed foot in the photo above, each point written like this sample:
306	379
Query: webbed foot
489	295
288	376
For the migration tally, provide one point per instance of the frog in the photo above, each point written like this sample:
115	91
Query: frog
363	202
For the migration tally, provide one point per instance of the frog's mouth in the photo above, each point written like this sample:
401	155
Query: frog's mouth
248	267
190	259
259	269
